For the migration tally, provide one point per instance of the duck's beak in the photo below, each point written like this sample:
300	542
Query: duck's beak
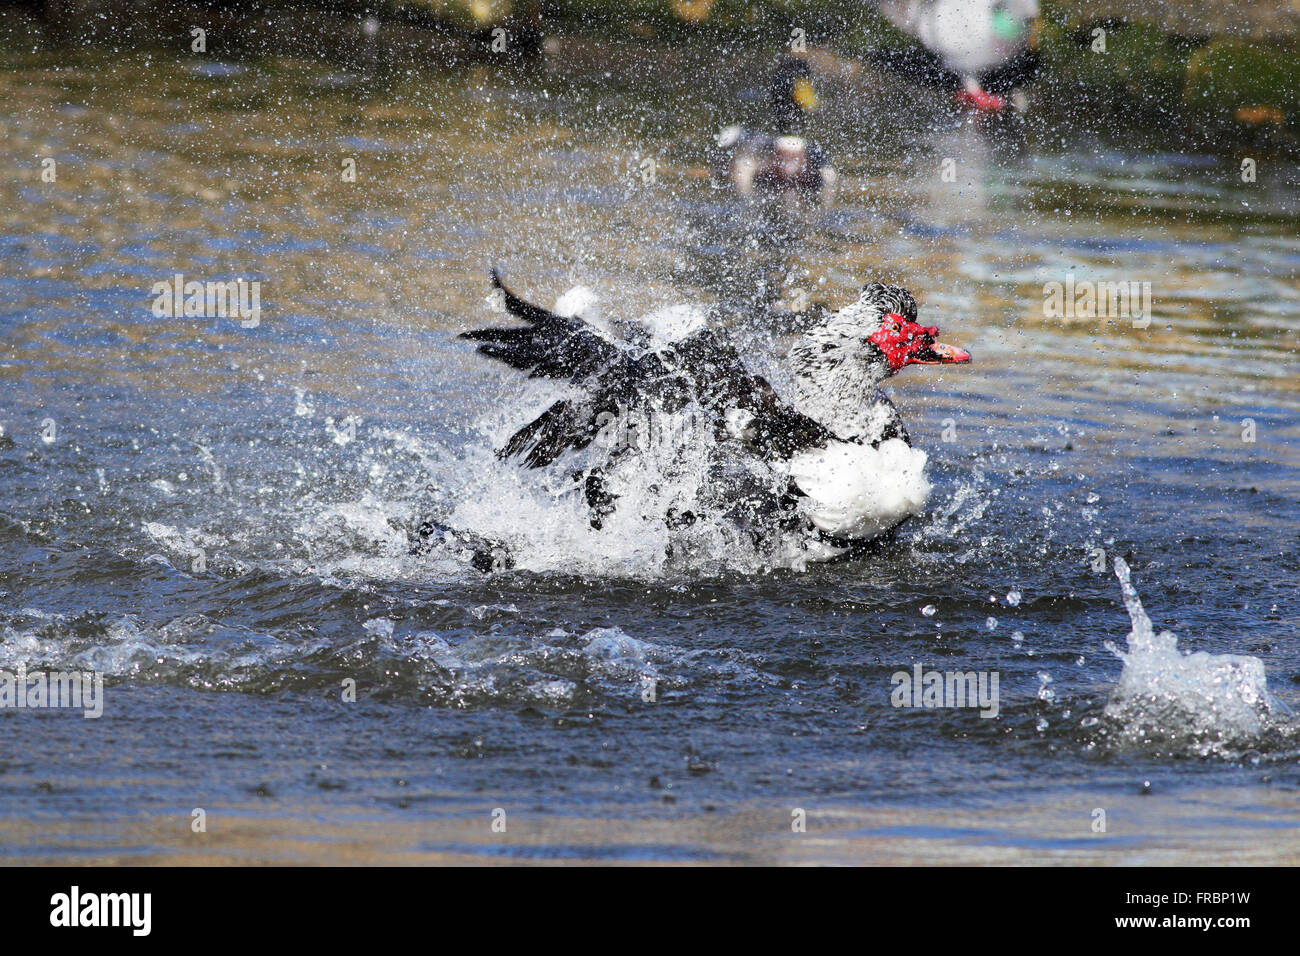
804	94
941	353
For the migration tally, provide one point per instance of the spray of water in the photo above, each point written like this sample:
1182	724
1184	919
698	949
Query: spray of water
1199	703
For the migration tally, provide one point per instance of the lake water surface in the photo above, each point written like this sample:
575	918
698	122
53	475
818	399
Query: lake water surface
296	457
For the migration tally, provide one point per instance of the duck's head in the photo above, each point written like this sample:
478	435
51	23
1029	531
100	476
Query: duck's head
901	340
791	95
873	338
840	363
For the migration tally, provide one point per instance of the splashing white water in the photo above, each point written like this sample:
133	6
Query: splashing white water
1206	704
542	518
681	499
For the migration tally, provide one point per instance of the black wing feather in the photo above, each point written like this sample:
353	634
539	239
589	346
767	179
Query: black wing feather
702	368
722	382
567	425
550	346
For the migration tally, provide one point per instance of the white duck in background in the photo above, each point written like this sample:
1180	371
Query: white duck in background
983	51
839	443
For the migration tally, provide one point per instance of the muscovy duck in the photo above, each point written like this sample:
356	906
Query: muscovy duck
983	51
838	444
782	160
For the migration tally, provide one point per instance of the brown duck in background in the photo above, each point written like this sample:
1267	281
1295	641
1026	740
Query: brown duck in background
782	160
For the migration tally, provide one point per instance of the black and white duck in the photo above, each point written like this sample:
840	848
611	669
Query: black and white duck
848	472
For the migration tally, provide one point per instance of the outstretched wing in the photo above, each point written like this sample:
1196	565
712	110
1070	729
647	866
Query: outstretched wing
701	368
553	346
550	345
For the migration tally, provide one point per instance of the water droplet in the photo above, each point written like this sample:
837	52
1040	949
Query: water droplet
1013	598
1045	693
991	623
929	610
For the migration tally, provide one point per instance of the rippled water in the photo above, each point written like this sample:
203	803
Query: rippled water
298	456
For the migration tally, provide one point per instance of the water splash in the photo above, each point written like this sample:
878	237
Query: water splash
670	513
511	664
1199	703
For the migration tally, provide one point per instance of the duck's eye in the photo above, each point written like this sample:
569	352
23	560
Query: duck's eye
897	328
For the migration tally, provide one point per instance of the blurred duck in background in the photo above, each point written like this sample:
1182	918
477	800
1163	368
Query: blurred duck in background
781	160
984	51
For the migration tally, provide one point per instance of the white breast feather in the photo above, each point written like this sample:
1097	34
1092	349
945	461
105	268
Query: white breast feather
856	491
